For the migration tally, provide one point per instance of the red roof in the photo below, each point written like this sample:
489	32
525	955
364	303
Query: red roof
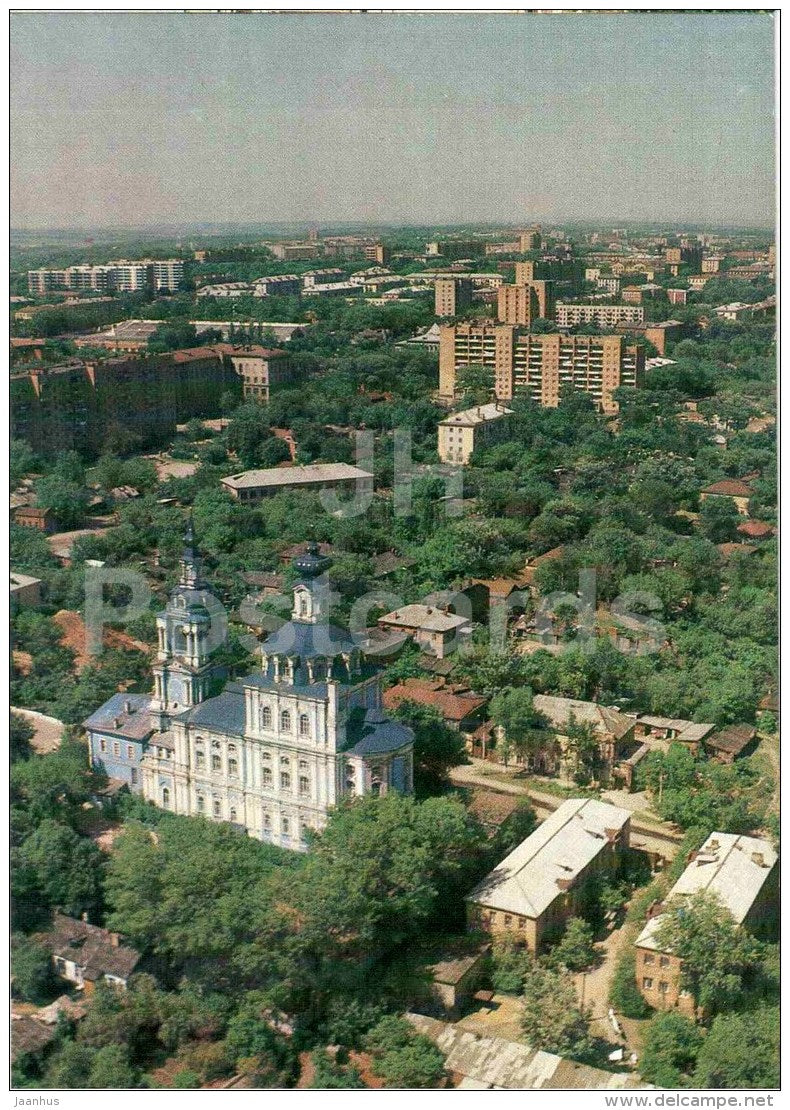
730	487
757	529
453	703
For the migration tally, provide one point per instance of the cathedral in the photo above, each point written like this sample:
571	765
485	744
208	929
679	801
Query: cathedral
275	750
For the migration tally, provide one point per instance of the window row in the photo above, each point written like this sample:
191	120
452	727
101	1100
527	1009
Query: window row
285	781
265	719
285	825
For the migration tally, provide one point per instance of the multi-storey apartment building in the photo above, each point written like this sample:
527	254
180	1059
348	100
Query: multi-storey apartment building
530	240
537	366
603	315
261	369
742	872
120	274
521	304
452	295
74	405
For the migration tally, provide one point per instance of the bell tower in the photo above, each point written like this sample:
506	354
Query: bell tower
188	629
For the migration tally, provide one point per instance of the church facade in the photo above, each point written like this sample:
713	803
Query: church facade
276	749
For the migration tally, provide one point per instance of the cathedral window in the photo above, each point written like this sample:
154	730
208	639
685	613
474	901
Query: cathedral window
285	780
102	745
165	798
200	759
233	766
285	761
302	606
304	725
233	815
303	765
304	784
130	751
267	776
266	717
267	819
217	808
303	827
201	804
285	720
116	748
286	826
375	788
216	762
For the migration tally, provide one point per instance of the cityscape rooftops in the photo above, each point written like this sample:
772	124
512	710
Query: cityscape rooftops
426	617
125	715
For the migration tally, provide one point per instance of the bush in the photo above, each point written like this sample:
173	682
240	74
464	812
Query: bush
416	1065
623	992
670	1050
509	963
186	1080
31	968
575	950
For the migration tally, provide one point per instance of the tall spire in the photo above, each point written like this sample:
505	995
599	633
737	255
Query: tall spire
191	562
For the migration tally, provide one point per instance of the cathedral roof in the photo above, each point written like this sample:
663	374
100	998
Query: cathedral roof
126	715
225	712
309	640
380	735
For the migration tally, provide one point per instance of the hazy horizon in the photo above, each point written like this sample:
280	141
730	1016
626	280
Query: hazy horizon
149	120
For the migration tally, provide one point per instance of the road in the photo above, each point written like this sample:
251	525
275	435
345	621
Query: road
656	837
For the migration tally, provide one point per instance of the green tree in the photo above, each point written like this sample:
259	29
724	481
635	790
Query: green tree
63	869
437	747
509	964
110	1068
402	1057
741	1050
31	968
669	1051
513	710
551	1018
21	732
575	950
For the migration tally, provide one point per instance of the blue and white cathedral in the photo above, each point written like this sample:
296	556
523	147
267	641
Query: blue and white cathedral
276	749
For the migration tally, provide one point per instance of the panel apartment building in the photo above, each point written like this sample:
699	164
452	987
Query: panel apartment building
537	366
522	304
603	315
159	274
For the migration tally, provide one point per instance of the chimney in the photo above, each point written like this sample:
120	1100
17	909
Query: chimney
115	940
116	722
758	858
127	706
84	916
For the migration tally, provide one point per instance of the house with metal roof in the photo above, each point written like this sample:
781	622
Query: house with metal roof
742	874
534	890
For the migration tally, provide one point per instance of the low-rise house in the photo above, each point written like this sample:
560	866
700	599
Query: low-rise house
459	707
29	1038
435	630
742	872
25	591
735	489
613	731
462	433
252	485
734	311
756	529
85	954
656	734
535	889
455	978
730	743
29	516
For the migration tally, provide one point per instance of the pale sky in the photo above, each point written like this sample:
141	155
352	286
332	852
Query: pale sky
163	118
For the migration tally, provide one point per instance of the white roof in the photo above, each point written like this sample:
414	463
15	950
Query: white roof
427	617
526	881
295	475
481	414
732	867
19	581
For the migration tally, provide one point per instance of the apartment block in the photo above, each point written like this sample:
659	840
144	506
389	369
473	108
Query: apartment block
550	268
742	872
462	433
295	252
537	366
253	485
522	304
602	315
455	248
120	274
684	255
530	240
452	295
534	890
377	252
261	369
74	405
